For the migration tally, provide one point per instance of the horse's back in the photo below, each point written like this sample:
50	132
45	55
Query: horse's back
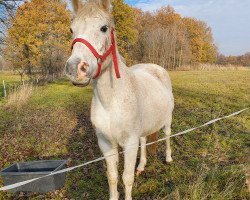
155	71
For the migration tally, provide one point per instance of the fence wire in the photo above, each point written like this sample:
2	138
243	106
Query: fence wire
12	186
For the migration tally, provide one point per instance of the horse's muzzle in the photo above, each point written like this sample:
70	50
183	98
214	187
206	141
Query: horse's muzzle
76	71
79	84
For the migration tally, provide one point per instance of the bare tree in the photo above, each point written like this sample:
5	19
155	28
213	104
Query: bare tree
1	63
7	11
166	46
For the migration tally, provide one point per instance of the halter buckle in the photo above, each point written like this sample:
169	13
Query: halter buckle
99	60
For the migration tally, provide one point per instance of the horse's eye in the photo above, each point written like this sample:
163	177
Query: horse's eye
104	29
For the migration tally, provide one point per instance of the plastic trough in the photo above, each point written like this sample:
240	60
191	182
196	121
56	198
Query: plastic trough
28	170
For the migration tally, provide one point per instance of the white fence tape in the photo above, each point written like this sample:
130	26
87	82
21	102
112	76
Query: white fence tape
12	186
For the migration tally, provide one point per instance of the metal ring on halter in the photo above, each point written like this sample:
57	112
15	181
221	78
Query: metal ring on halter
99	60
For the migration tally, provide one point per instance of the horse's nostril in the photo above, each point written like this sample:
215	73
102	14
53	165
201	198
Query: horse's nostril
83	67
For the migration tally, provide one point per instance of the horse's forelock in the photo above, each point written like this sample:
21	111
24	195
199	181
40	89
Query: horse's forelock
92	9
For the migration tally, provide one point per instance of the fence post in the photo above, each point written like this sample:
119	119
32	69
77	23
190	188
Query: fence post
4	89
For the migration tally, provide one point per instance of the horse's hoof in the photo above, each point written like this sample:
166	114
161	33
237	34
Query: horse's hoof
169	160
114	198
139	172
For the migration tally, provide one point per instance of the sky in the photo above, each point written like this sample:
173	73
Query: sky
229	19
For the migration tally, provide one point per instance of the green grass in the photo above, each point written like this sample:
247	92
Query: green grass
209	163
9	76
11	79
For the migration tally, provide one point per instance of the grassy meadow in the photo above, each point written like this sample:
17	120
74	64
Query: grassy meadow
209	163
11	79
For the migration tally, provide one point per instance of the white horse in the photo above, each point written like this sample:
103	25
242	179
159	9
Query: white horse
129	104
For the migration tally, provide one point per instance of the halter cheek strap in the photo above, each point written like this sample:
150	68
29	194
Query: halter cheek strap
102	58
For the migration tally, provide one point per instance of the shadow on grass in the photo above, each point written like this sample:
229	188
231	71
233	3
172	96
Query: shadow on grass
90	181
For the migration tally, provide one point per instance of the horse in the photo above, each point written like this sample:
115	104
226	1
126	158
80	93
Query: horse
129	103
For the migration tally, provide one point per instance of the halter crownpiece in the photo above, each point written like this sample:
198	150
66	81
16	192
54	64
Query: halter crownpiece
102	58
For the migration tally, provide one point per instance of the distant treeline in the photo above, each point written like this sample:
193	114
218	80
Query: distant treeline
171	41
243	60
163	37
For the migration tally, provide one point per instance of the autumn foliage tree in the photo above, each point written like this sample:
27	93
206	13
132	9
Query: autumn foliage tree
39	38
126	31
162	39
171	41
201	41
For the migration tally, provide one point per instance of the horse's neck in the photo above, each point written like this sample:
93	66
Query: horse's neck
107	86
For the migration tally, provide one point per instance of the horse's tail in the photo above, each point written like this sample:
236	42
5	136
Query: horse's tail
152	149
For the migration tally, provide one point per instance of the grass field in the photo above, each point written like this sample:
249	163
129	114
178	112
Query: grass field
210	163
11	79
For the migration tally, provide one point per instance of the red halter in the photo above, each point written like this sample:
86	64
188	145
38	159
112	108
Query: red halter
102	58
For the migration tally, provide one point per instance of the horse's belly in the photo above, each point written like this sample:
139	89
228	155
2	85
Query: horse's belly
156	105
154	118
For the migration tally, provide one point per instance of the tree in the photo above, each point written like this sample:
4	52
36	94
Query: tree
171	41
162	38
1	63
201	41
125	28
39	38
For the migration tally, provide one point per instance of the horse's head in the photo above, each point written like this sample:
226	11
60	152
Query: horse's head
93	23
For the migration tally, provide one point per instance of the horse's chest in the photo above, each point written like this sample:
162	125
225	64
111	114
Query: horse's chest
101	119
115	122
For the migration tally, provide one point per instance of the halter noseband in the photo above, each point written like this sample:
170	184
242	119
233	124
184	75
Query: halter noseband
102	58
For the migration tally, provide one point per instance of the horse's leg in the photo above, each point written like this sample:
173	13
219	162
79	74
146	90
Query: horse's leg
143	158
130	154
112	161
168	133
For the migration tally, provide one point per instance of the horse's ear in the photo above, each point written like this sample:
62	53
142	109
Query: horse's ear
77	4
107	5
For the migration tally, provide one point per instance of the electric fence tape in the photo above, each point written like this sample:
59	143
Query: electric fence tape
12	186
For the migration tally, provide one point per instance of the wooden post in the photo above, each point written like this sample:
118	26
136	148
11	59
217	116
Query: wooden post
4	89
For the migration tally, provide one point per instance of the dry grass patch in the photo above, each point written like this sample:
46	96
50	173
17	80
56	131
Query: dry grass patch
19	96
211	67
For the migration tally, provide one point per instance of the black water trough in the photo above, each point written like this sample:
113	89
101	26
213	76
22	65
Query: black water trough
29	170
